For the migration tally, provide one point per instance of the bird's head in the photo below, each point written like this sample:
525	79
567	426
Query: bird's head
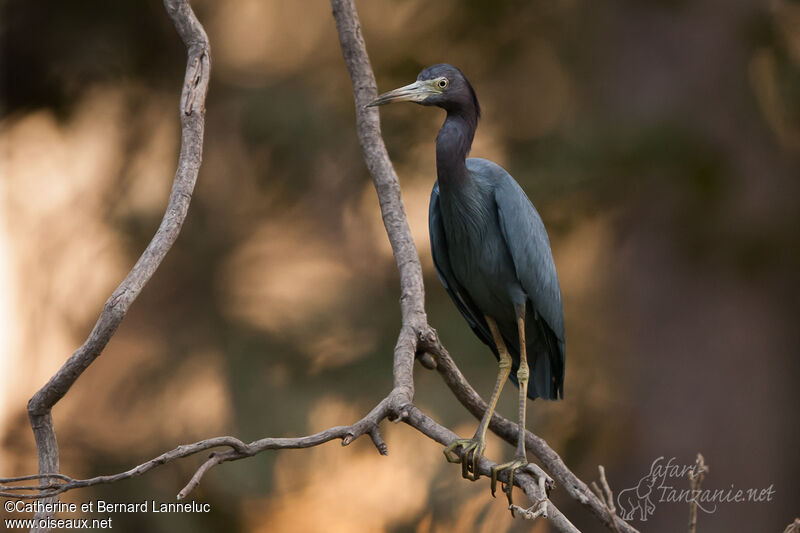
441	85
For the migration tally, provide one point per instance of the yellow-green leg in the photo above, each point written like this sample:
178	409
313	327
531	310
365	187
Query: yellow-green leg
523	374
472	449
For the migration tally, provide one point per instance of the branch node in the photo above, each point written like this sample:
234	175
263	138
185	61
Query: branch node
429	339
198	475
545	481
426	360
401	416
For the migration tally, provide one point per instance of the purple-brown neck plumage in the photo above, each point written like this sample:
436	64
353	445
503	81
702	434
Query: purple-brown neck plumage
453	144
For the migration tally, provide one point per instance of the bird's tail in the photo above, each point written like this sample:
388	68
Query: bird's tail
546	362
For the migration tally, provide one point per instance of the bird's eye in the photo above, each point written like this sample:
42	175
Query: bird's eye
442	83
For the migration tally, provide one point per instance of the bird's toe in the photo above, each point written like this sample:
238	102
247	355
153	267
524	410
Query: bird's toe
467	452
508	486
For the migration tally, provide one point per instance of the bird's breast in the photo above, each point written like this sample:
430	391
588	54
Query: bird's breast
478	255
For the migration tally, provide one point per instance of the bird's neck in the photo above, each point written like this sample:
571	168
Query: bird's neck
452	146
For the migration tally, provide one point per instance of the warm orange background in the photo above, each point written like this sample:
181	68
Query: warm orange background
660	141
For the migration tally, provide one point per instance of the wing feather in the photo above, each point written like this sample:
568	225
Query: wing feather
529	246
441	262
527	241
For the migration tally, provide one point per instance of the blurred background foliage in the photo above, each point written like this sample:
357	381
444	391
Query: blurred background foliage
660	140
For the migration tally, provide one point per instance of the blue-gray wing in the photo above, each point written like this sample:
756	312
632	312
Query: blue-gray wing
527	241
441	262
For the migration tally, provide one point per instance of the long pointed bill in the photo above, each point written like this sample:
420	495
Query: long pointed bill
414	92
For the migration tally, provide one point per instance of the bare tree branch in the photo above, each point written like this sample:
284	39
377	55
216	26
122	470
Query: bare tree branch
59	483
414	417
508	431
606	496
192	107
533	487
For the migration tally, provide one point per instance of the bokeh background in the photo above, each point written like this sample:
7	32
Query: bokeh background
660	140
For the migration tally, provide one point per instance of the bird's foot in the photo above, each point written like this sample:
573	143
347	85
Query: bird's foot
508	487
471	452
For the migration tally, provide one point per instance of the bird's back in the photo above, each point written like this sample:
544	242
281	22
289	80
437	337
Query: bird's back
491	252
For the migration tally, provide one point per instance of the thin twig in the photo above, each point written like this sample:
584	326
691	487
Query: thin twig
696	476
238	450
606	496
794	527
533	486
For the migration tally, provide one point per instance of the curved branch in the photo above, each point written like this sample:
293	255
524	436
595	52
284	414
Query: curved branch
412	416
368	127
192	123
58	483
192	108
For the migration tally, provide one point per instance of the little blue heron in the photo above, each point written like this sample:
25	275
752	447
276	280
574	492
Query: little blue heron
492	254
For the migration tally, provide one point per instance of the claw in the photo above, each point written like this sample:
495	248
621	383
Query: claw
472	451
508	486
